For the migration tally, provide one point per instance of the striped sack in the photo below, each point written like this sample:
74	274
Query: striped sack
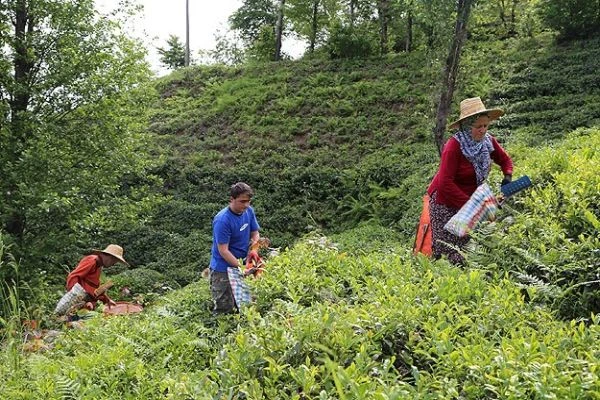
76	295
239	288
480	207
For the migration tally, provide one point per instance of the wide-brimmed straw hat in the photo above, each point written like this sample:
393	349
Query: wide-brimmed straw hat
113	250
474	106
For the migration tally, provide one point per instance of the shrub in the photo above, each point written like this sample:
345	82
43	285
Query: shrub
346	42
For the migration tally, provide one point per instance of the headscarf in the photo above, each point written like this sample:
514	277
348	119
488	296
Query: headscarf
478	153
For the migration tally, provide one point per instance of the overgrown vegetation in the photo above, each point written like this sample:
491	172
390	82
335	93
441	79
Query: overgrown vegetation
328	324
339	152
549	238
331	144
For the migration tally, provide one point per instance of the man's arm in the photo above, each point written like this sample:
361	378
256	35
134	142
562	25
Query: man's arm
227	255
254	236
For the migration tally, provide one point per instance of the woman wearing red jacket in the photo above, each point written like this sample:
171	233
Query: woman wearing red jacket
466	162
87	273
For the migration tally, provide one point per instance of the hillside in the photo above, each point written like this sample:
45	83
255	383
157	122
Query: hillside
339	153
331	144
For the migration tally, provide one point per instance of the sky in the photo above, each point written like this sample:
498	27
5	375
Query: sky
161	18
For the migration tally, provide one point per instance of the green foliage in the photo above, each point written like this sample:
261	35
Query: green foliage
349	42
328	146
546	89
504	19
173	56
311	19
252	18
332	144
435	20
227	50
73	168
263	47
277	130
13	309
573	19
143	281
373	324
552	231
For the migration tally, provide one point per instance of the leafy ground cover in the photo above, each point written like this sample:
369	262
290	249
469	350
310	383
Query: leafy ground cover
343	146
549	238
327	323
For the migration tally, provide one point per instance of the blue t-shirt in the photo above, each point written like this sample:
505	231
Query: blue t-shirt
234	229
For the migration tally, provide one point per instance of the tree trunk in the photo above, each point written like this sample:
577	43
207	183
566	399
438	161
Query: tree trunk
409	31
513	20
451	71
352	12
314	26
383	11
503	15
22	62
279	31
186	61
23	65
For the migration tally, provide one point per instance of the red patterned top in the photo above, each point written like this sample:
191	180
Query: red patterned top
455	180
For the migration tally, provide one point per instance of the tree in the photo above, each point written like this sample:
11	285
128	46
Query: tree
312	19
451	71
228	49
408	37
256	22
504	18
383	14
174	55
70	126
573	19
434	20
252	17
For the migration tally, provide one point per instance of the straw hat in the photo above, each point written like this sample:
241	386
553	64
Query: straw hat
474	106
113	250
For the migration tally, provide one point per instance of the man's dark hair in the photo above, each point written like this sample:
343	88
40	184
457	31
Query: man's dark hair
239	189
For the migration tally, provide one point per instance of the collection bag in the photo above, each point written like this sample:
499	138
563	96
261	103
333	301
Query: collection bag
76	295
423	238
482	206
241	291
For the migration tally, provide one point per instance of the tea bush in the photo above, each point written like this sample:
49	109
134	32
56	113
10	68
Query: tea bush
551	231
376	323
330	144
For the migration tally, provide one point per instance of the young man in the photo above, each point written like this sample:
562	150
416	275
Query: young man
235	228
87	276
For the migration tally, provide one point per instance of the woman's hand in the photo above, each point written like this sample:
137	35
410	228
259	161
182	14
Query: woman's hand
507	179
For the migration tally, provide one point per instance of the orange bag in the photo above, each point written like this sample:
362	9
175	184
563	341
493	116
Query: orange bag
423	239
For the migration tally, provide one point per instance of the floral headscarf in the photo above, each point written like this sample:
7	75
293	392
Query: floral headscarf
478	153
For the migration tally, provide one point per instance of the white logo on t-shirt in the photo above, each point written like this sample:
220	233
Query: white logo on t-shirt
243	227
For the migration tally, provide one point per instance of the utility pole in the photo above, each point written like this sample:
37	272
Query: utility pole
187	33
279	31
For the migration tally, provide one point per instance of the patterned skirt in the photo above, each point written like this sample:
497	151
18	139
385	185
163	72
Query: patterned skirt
440	215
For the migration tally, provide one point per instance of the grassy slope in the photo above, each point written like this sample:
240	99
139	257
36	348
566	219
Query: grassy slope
328	144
